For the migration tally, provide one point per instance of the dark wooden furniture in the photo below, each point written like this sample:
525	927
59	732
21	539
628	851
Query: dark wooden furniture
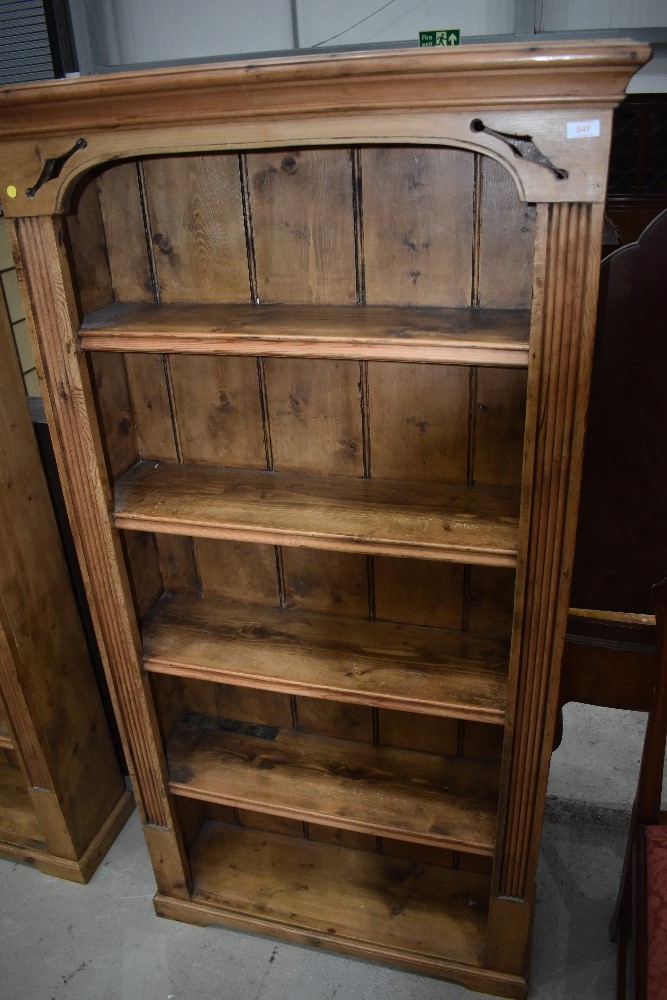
640	920
62	796
637	189
621	546
315	336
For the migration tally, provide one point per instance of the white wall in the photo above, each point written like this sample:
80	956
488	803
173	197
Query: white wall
349	22
132	31
577	15
112	33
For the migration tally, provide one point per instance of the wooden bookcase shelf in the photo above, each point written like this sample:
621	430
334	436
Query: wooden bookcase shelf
382	333
356	901
422	798
427	520
316	347
404	667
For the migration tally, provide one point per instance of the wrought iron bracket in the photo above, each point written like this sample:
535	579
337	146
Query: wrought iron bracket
53	166
522	146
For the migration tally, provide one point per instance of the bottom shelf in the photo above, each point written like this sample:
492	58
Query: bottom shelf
18	823
422	917
352	900
354	896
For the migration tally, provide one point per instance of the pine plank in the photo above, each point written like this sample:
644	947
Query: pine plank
332	582
507	243
323	717
147	386
314	415
125	243
302	225
237	571
87	240
429	733
418	418
196	228
418	225
427	670
427	798
221	420
419	592
115	410
348	899
499	422
382	517
18	822
389	333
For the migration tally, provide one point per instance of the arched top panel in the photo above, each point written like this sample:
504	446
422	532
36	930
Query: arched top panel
552	106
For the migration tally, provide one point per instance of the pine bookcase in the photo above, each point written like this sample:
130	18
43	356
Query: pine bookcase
315	338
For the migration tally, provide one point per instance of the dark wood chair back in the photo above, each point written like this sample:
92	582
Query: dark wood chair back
621	548
640	918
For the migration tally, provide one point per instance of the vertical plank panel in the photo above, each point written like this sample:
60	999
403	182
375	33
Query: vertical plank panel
150	403
238	571
482	742
304	244
418	732
331	718
85	230
264	708
334	582
491	600
115	408
197	229
200	697
342	838
177	564
499	426
507	244
418	225
272	824
422	853
127	250
144	569
218	411
418	592
315	415
419	421
303	225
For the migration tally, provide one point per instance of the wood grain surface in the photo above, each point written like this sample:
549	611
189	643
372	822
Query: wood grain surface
409	519
426	798
435	671
382	332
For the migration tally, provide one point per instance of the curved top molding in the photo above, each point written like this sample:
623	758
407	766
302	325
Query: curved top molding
477	76
387	96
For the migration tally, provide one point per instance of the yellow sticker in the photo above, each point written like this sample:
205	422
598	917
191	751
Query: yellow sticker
11	191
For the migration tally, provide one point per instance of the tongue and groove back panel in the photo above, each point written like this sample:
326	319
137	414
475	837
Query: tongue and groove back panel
329	226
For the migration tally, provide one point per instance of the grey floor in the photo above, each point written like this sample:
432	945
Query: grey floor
60	941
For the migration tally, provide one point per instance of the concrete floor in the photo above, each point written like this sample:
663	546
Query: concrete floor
60	941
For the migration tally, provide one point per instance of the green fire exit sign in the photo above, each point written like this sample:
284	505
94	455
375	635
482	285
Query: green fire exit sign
444	36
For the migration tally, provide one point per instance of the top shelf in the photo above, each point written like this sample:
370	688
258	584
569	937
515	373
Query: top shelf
380	333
